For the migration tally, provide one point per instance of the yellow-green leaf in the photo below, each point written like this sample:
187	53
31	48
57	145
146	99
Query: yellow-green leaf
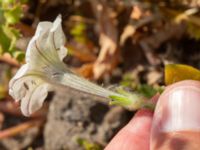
179	72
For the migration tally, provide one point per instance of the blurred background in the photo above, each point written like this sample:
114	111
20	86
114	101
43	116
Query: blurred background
113	43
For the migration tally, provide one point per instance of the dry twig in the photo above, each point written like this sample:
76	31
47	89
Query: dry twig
20	128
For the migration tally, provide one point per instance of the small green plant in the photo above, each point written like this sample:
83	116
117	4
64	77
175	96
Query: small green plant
10	13
78	32
88	145
148	91
145	90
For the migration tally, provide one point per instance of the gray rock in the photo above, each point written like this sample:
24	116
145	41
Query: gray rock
74	115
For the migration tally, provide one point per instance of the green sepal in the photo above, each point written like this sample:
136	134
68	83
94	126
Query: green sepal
119	100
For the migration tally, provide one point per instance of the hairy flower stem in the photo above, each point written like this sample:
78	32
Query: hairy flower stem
131	101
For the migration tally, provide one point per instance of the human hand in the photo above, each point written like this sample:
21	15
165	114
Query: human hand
175	124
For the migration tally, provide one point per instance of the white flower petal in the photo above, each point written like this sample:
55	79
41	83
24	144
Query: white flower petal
62	52
42	28
21	72
30	89
16	89
38	97
46	43
58	34
56	23
24	104
34	99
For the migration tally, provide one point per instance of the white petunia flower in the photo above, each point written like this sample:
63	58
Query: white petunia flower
30	89
43	61
44	67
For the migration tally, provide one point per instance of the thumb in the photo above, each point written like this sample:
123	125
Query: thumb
176	122
135	135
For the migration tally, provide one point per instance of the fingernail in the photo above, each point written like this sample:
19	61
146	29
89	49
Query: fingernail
178	108
177	111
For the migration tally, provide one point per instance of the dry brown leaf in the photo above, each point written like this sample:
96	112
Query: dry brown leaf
86	70
108	57
153	77
109	54
136	12
81	52
187	3
2	119
138	18
129	31
12	131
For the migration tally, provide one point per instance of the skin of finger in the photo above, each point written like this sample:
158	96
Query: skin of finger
135	135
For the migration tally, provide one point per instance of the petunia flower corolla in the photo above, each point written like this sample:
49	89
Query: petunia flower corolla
43	61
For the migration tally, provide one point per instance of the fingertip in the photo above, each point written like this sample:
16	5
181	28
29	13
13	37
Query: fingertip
135	135
142	113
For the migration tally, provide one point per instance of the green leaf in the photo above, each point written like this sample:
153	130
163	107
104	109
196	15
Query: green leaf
4	40
88	145
2	92
147	90
13	16
8	38
10	14
19	55
24	1
2	19
78	31
8	1
193	30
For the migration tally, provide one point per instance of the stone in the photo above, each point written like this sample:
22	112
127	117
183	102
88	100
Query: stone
73	115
